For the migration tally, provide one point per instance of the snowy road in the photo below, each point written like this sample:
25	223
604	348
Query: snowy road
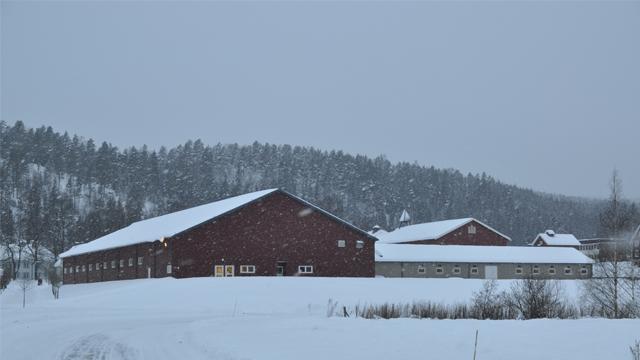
264	318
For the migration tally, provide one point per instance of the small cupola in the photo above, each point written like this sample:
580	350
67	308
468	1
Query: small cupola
405	219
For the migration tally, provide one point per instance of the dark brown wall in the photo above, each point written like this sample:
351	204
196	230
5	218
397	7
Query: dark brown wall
461	236
275	228
271	230
154	256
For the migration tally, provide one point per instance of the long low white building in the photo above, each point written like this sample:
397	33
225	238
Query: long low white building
481	262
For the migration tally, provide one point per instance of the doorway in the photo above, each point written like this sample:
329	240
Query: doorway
281	268
490	272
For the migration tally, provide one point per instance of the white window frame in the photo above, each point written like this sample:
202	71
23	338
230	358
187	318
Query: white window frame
113	264
552	270
121	263
169	269
305	269
421	269
457	269
140	260
90	267
65	270
247	269
471	229
84	268
519	270
474	269
342	243
359	244
584	270
70	269
130	261
536	270
97	266
105	265
568	270
439	269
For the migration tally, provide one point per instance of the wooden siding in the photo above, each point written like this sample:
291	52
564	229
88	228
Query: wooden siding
461	236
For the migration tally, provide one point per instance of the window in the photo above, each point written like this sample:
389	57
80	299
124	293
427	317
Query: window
583	270
140	260
70	269
130	261
552	270
359	244
519	270
84	268
342	243
104	265
97	266
90	267
421	269
536	269
121	263
247	269
65	270
113	264
169	269
456	269
474	269
77	268
439	269
567	270
471	229
305	269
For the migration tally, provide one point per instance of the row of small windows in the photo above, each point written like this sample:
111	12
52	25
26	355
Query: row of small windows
251	269
104	265
343	243
568	270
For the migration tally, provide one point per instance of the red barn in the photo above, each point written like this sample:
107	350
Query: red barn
466	231
263	233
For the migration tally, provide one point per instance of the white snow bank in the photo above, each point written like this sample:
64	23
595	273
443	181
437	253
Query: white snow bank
479	254
153	229
284	319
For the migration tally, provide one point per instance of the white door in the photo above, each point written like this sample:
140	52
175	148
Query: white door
229	270
219	271
490	272
149	272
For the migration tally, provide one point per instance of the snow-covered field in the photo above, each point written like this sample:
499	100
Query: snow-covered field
282	318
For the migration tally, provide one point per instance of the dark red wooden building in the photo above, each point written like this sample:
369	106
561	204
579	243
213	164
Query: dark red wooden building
468	231
264	233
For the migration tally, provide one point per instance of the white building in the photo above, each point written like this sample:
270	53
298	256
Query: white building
23	258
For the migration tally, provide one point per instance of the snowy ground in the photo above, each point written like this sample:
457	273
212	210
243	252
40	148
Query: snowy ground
281	318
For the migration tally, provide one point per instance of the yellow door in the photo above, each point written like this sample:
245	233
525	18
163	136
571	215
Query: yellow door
218	271
229	270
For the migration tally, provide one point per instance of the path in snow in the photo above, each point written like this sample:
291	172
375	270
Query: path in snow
98	347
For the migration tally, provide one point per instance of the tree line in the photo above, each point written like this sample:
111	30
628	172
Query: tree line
59	189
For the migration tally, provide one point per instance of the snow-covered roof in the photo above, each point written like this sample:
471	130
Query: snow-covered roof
553	239
427	231
479	254
156	228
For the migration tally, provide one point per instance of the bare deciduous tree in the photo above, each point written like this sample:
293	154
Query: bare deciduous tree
486	303
537	298
25	285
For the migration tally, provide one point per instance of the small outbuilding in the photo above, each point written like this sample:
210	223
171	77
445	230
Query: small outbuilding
550	238
467	231
481	262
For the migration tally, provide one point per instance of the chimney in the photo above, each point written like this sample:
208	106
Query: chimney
550	233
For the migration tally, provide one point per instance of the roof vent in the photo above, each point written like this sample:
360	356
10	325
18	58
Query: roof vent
550	232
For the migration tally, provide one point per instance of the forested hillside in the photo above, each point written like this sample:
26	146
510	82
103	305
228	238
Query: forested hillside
62	189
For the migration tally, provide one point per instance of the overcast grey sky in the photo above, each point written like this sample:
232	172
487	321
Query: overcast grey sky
540	94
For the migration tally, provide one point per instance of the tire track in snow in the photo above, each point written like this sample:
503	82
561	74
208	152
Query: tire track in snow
98	347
